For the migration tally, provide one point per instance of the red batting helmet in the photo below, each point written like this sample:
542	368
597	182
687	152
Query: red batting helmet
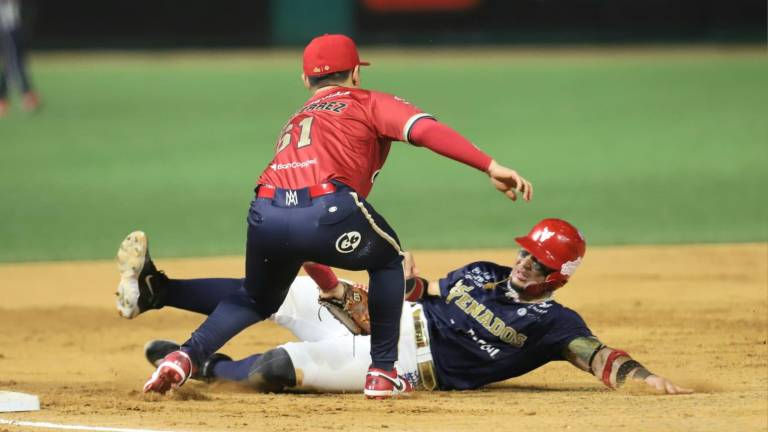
558	245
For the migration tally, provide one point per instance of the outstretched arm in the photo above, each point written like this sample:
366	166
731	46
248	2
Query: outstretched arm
508	181
443	140
613	367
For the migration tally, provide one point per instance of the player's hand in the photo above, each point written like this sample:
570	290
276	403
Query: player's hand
409	265
664	385
509	182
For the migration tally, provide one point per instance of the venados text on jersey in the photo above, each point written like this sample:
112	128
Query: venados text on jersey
459	294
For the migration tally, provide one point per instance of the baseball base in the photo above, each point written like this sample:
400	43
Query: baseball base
13	401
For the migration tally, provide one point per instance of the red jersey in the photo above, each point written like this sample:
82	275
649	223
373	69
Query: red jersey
340	133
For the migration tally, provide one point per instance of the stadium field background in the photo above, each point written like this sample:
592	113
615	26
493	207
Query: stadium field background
653	146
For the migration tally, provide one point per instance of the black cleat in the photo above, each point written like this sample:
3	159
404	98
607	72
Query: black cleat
141	284
156	350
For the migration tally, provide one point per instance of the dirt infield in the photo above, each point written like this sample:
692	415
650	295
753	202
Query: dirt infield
697	314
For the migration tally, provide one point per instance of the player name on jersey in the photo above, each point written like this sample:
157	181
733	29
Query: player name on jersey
333	106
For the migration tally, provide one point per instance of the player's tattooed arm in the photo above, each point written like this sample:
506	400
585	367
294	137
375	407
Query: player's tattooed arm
613	366
607	364
581	351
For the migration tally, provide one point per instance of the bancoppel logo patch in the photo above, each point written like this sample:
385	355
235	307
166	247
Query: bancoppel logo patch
291	165
348	242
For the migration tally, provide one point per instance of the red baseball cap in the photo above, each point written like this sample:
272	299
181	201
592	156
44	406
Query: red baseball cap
330	53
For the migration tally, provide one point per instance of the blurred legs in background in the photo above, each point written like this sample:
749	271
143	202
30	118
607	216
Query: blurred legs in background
12	60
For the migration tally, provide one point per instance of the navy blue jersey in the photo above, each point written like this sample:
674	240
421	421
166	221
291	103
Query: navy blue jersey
480	334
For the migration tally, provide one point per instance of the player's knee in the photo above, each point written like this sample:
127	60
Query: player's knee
273	372
263	305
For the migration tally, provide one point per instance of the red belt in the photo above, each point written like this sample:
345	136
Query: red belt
268	191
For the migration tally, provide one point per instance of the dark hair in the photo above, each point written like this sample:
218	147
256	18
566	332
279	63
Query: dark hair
329	79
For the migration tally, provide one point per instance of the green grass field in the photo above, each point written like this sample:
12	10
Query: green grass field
667	148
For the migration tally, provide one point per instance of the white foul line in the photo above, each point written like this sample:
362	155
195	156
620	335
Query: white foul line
71	427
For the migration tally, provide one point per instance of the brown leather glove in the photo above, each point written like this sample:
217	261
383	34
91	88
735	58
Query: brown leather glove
352	309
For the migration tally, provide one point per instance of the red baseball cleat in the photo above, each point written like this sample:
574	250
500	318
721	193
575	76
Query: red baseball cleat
4	107
30	102
382	384
172	372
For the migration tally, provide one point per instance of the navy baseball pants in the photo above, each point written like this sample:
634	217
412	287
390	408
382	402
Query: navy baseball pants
12	62
339	229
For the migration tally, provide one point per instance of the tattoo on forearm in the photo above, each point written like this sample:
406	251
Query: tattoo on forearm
642	373
624	369
610	365
627	367
582	351
592	357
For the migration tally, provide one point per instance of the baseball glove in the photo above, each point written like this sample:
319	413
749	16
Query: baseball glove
352	309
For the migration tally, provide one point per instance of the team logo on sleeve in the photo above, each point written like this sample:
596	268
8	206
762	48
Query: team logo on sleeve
348	242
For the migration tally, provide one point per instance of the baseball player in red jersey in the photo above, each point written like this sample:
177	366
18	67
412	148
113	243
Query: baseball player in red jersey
310	205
